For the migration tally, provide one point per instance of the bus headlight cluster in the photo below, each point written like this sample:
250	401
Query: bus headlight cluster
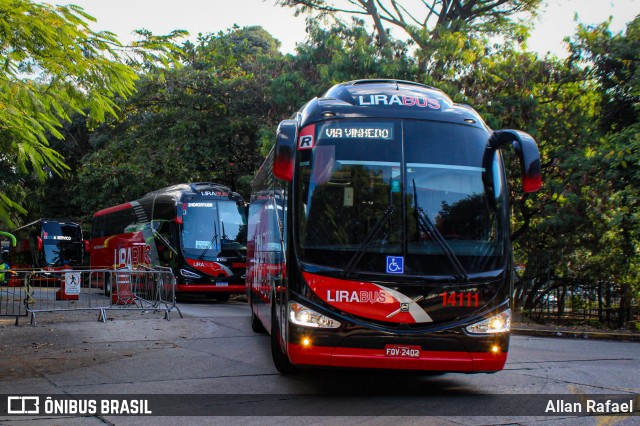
189	274
500	323
306	317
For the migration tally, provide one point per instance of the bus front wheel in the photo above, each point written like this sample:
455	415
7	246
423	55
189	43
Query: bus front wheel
280	360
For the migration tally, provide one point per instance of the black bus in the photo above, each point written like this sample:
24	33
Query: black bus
197	229
379	233
49	244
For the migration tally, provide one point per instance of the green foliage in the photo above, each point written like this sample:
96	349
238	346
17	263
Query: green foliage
613	62
445	33
589	132
198	122
54	66
332	55
491	17
577	303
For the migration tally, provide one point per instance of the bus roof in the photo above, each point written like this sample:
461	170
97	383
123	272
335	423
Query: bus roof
388	99
44	219
179	193
112	209
197	189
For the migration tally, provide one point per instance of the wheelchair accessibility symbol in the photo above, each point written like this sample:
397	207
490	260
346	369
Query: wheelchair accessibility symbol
395	265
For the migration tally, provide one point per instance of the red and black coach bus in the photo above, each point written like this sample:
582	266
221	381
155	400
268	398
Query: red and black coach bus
379	233
49	244
197	229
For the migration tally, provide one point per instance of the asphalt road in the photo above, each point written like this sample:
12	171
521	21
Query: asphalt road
213	363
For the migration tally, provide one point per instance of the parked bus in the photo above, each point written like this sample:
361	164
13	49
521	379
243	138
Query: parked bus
379	233
48	244
8	243
197	229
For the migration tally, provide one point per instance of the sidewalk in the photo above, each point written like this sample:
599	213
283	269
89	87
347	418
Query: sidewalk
550	330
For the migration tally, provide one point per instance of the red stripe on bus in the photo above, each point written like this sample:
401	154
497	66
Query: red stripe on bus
362	298
113	209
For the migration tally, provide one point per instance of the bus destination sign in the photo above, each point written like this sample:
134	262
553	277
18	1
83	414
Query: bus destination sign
380	131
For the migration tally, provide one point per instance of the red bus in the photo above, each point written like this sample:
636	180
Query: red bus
48	244
197	229
379	233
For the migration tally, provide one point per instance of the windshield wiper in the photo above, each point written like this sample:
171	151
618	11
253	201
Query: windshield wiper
366	242
224	234
214	239
427	225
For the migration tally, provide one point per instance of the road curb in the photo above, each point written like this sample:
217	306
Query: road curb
595	335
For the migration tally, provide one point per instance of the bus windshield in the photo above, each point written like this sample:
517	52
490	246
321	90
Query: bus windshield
212	227
62	243
367	189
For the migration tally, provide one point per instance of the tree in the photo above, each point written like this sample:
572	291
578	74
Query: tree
54	66
199	122
332	55
613	63
429	23
582	229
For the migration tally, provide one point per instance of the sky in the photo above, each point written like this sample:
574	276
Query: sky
555	22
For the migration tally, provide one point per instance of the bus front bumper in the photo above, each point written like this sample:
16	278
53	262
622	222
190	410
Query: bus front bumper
464	362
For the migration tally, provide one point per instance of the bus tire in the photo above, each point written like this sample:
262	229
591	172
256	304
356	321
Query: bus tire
280	360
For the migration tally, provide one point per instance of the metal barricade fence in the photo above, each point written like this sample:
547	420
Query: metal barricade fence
13	297
37	291
144	289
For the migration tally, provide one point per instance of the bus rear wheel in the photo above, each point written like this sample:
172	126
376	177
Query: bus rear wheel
280	360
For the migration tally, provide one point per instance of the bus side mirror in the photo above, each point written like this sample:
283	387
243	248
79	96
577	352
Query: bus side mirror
40	245
87	246
285	150
527	151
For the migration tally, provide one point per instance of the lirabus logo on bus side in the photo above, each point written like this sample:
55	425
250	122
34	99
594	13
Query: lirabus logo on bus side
131	256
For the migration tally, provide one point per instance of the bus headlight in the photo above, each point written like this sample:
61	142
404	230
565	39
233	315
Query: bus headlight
305	317
500	323
189	274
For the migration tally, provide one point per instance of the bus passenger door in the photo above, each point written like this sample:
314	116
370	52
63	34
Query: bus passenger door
265	257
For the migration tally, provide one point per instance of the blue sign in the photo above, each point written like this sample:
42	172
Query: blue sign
395	265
